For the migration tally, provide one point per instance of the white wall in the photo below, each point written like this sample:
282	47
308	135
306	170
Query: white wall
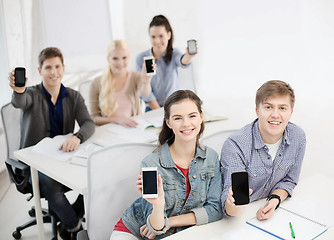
245	43
182	15
242	44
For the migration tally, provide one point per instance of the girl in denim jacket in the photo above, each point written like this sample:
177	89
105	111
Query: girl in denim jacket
189	181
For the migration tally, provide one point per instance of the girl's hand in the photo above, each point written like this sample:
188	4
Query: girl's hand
145	232
126	122
139	184
160	200
146	79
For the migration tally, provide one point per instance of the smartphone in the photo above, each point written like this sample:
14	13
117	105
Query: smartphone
192	49
149	60
20	76
240	188
150	182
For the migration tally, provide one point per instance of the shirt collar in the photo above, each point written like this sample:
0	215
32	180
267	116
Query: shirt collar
166	159
62	92
258	141
161	55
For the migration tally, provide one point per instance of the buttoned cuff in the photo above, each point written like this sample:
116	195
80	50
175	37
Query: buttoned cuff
157	232
201	216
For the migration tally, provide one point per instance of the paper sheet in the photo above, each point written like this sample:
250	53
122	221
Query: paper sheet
50	147
133	134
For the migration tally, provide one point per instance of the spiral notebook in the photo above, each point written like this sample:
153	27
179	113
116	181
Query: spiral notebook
278	225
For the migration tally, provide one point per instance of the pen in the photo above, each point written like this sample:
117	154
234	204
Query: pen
292	232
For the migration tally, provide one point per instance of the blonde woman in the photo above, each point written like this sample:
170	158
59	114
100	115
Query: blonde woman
114	96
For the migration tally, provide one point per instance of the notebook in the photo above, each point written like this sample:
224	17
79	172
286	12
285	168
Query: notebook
278	225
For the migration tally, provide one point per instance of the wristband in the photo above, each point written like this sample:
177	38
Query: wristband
271	196
78	135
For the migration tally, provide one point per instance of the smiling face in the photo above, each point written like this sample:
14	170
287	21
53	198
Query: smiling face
274	114
119	60
159	38
185	121
52	71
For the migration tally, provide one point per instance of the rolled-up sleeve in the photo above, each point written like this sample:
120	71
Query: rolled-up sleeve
157	232
87	125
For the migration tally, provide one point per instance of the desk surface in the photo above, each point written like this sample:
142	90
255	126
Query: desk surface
74	176
307	187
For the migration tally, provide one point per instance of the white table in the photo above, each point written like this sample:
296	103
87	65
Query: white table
74	176
311	186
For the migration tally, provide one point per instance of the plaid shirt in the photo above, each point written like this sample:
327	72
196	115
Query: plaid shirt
246	151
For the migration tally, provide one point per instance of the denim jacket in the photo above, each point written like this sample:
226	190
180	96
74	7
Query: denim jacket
204	198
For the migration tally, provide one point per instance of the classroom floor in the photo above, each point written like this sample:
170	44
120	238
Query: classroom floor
316	120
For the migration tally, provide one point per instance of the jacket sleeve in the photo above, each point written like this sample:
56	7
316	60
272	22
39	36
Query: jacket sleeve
22	100
87	125
212	210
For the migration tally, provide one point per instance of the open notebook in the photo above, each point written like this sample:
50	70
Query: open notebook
306	222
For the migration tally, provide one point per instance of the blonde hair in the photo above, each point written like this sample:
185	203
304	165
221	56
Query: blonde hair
107	103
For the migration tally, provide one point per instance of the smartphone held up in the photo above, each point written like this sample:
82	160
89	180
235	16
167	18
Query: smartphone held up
150	182
149	61
20	76
192	48
240	188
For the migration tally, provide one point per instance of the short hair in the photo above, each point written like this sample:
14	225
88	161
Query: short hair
49	52
274	88
167	135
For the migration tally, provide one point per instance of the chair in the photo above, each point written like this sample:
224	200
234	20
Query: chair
216	140
84	91
19	172
186	78
112	174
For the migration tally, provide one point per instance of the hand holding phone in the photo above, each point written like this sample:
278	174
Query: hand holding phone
149	61
20	76
192	48
149	182
240	188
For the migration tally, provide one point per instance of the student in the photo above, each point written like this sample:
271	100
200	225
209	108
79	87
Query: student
114	97
189	182
50	109
271	149
167	59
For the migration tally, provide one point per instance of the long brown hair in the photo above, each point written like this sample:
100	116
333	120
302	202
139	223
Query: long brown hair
167	134
161	20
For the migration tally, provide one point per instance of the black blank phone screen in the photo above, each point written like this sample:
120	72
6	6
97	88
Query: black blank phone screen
150	182
240	188
20	77
148	63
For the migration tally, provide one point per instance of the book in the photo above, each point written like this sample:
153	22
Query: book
304	227
208	119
